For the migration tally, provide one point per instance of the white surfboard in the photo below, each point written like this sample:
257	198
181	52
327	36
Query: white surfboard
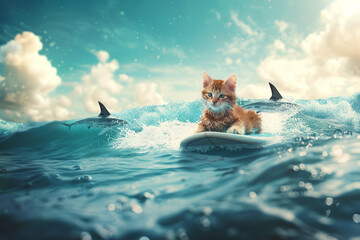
221	139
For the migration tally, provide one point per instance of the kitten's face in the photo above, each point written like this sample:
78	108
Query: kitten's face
219	95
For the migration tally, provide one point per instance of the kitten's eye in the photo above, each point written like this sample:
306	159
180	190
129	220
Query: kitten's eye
210	94
221	95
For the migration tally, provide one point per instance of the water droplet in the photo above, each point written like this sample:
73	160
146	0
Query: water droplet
301	154
324	154
356	218
283	188
144	238
136	208
337	151
252	195
111	207
301	184
314	173
85	236
308	186
86	178
82	179
329	201
290	150
302	166
205	222
295	168
149	195
77	167
207	210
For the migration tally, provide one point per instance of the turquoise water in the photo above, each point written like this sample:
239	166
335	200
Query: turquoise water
136	183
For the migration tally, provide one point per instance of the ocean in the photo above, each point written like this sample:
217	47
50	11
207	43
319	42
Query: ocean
134	182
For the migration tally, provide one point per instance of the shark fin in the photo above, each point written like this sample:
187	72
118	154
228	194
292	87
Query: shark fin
103	111
275	95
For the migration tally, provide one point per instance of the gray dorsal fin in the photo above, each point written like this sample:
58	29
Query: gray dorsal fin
103	111
275	95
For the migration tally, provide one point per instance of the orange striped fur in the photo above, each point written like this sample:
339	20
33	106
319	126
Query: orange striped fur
222	114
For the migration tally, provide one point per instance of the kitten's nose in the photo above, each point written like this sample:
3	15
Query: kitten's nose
214	100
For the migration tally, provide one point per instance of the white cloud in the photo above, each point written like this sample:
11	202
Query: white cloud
124	78
103	56
341	34
228	61
238	45
243	26
308	77
281	25
238	61
174	51
146	94
29	80
218	15
247	45
279	45
259	91
100	85
174	86
329	64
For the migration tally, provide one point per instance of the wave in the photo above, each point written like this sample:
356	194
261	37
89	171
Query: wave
163	127
130	182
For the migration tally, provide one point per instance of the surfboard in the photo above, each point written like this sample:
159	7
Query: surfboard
221	139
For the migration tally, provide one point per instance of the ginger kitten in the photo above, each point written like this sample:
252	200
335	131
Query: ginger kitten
222	114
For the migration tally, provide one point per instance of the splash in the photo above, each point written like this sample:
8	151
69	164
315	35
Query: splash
167	135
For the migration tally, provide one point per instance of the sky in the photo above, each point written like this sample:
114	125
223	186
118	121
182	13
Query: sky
58	58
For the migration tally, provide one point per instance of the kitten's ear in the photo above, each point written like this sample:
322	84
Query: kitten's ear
230	83
207	79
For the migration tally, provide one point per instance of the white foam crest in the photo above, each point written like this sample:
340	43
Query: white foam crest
277	123
273	122
341	111
166	136
9	127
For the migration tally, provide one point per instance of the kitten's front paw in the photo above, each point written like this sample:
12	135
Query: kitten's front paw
200	129
236	130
